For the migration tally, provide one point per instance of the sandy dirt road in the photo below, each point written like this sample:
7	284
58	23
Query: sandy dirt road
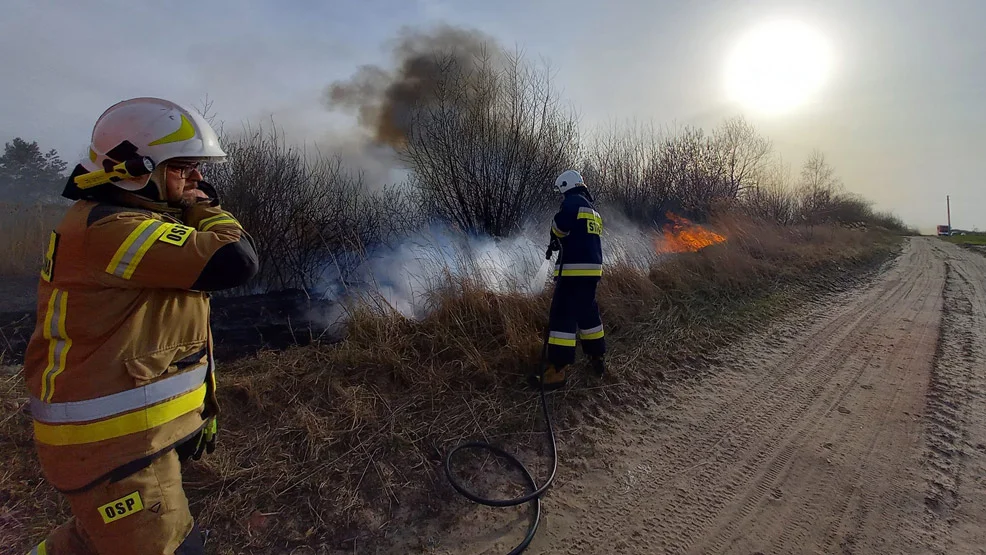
855	426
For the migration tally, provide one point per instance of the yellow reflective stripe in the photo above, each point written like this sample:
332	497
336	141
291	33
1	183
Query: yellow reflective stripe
119	426
213	218
561	342
51	343
185	132
62	346
124	402
115	263
215	222
40	549
592	217
58	342
591	336
557	232
561	338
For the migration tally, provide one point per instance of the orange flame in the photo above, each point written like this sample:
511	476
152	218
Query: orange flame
681	235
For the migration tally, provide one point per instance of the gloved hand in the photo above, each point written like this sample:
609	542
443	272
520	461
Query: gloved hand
210	192
207	439
554	245
204	442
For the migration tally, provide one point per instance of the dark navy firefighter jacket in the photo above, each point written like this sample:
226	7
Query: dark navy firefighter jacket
578	226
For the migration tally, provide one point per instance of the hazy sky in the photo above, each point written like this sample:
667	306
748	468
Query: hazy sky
902	118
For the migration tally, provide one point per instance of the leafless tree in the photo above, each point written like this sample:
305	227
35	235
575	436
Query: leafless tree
743	154
773	198
818	189
487	143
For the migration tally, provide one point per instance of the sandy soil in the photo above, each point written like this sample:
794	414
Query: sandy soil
855	426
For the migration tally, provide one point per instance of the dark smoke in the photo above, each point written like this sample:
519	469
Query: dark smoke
385	100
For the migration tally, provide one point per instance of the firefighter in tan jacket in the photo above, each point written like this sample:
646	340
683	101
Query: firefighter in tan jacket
120	367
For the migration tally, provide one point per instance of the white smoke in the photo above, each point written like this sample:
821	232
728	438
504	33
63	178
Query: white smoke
626	243
404	276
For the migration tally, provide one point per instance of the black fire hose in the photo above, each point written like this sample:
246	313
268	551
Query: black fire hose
536	492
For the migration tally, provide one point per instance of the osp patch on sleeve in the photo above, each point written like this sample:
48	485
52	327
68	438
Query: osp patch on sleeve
121	508
48	267
176	234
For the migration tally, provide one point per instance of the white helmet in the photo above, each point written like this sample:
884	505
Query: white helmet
568	180
150	127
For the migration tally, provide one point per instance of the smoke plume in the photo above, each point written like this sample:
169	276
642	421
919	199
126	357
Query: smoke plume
385	100
404	276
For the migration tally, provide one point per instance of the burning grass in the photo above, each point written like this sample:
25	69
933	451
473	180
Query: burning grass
325	444
681	235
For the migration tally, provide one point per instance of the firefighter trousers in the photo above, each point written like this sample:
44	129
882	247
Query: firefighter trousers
574	314
145	513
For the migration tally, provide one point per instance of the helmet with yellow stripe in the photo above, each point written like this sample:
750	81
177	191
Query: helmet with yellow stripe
149	127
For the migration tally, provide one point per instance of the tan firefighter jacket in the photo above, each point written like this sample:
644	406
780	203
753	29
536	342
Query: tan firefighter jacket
120	367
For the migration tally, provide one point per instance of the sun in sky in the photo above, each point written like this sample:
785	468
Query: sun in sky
778	67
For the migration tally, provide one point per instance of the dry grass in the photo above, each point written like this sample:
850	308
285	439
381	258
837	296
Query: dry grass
322	444
973	239
25	230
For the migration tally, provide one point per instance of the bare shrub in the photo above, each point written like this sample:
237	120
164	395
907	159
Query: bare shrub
621	167
773	199
302	209
644	173
488	144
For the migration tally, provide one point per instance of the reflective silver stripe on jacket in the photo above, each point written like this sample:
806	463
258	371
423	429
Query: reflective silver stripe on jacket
118	403
139	241
591	331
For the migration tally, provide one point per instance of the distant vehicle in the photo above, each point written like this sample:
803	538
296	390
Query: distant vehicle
943	230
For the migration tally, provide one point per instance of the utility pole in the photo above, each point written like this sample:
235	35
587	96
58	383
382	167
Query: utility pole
948	210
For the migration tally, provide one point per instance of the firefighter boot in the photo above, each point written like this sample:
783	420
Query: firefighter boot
598	364
553	378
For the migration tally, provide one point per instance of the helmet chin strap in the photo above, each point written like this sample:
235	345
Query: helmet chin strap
151	191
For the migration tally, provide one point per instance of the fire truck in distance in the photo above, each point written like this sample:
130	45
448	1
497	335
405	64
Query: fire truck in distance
944	230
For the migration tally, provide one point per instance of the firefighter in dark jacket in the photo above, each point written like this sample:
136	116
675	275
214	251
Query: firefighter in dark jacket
575	232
